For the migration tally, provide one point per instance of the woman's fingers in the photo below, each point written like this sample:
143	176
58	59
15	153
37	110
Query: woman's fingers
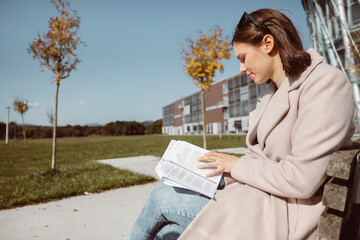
209	165
215	162
210	156
220	161
215	172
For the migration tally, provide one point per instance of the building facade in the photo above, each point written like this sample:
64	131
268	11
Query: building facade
332	25
227	106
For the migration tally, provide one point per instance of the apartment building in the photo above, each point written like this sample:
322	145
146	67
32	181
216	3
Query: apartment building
227	106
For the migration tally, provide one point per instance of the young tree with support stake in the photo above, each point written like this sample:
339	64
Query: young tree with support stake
56	51
202	58
21	106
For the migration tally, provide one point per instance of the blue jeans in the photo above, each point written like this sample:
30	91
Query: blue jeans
166	213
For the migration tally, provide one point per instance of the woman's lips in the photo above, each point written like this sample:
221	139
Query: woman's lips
250	75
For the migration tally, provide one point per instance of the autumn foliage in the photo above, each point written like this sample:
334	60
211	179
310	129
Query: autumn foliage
202	58
21	106
355	50
56	49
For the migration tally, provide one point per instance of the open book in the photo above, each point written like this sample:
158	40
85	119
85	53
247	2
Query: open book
178	168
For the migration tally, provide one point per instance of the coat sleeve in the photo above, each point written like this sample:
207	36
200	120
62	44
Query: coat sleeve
324	124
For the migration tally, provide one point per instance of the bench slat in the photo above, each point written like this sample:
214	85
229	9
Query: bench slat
335	195
340	163
330	225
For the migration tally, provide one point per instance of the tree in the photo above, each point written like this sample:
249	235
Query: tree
21	106
202	57
155	127
355	50
2	130
56	51
13	129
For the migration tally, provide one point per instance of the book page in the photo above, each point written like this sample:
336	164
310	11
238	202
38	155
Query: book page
178	167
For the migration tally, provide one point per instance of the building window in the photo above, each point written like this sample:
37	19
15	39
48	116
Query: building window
194	108
225	100
231	85
238	125
244	80
168	115
245	108
225	88
226	113
209	128
199	117
252	90
237	95
231	97
355	13
237	81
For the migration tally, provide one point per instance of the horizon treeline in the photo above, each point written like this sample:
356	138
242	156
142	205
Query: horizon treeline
117	128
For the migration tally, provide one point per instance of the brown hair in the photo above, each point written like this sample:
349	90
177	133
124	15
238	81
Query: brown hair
287	41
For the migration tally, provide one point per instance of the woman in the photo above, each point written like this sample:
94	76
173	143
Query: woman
274	190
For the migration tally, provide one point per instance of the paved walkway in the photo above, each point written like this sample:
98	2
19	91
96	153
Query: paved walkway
108	215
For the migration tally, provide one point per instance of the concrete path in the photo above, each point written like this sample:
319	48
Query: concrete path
142	164
108	215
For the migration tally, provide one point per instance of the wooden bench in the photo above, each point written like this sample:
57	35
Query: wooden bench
341	217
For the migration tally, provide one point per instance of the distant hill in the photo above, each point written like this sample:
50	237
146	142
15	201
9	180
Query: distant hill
29	125
147	123
95	125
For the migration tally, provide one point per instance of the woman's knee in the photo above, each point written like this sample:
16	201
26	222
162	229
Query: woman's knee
160	198
160	193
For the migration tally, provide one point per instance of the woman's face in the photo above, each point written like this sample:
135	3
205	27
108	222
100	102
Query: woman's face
254	61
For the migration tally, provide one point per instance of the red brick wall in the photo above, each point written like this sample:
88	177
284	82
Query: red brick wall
215	115
177	110
178	122
214	95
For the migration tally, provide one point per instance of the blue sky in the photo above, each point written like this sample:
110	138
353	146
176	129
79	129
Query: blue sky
131	66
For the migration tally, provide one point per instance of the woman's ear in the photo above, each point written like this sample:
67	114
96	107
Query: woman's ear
268	43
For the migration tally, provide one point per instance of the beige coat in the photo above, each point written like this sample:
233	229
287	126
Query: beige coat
291	134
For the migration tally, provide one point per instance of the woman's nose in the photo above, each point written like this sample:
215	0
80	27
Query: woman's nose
242	68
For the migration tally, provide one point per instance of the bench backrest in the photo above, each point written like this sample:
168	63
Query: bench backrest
341	217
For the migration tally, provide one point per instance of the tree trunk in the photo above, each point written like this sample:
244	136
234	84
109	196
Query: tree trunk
53	160
203	117
15	130
22	119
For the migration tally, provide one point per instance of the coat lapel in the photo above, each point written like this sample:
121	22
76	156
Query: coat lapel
275	110
255	116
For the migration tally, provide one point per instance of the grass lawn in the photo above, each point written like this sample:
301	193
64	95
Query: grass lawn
25	176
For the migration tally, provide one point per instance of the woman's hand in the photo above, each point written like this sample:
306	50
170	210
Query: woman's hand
222	162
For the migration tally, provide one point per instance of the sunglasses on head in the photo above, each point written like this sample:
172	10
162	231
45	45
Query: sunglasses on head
253	20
